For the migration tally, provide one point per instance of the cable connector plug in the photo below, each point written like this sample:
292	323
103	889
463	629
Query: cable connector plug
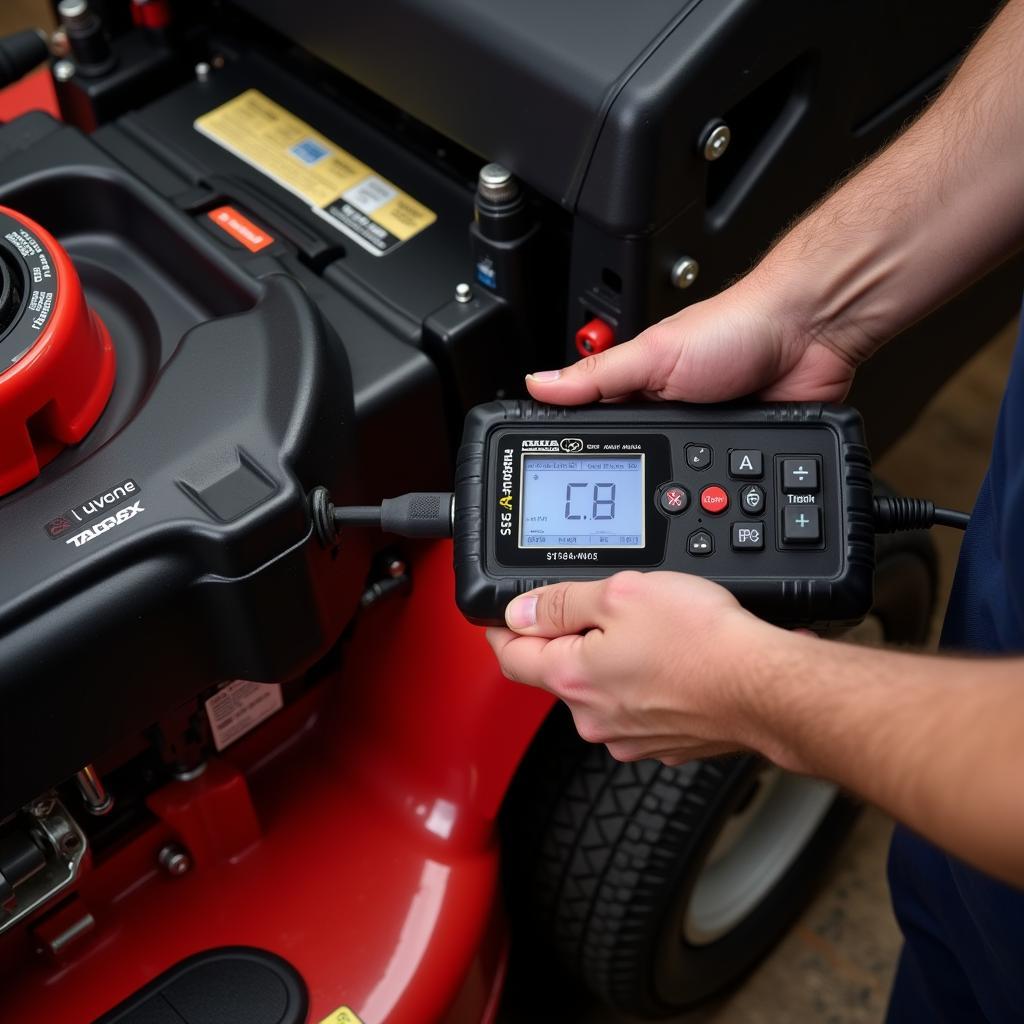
894	515
423	514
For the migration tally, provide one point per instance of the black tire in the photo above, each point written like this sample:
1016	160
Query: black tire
602	857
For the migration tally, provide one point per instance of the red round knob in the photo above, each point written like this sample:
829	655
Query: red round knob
594	336
56	357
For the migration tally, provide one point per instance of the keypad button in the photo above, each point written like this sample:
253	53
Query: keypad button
674	499
744	462
700	544
801	524
698	456
752	499
714	499
748	536
800	475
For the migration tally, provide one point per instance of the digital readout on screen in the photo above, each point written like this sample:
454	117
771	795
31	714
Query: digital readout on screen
587	501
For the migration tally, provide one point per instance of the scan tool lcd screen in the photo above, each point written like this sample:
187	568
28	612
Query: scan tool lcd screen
582	502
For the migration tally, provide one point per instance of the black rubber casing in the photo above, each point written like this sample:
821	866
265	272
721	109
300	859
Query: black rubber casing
814	586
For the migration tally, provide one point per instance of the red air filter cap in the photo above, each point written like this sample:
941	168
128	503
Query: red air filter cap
56	357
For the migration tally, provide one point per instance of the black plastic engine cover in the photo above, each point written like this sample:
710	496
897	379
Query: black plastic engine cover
174	547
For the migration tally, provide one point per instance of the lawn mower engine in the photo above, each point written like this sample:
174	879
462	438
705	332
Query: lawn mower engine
249	250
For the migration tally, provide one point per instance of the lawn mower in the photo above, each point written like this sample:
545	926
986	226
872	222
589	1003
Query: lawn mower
258	259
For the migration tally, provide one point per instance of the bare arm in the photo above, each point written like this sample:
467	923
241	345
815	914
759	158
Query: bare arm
936	742
934	210
667	666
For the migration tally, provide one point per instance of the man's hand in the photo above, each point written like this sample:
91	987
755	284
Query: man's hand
744	341
667	666
655	665
870	260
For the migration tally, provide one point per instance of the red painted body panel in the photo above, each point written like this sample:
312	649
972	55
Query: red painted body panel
353	833
33	92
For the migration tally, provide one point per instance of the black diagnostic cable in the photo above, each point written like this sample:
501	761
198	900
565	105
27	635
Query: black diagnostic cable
431	514
424	514
893	515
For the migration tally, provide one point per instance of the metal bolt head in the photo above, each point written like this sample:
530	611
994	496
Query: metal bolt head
497	184
202	71
494	175
463	293
72	10
685	271
42	807
174	859
63	70
716	142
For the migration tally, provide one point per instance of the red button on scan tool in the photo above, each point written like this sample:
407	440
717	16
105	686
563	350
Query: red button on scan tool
714	500
56	357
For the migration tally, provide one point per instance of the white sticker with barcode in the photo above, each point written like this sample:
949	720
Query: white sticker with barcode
240	706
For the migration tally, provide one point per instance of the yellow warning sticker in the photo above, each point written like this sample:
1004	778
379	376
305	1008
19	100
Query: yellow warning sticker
342	1015
341	189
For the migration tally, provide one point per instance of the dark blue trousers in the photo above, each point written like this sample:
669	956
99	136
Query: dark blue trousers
963	956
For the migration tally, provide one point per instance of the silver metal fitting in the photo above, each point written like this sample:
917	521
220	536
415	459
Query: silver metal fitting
494	175
175	860
42	806
97	799
203	71
63	846
74	931
684	272
463	293
497	184
72	10
188	774
64	70
715	141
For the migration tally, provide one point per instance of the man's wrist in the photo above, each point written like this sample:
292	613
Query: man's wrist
821	299
782	688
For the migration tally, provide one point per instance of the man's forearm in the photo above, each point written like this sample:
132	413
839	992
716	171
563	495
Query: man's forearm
937	742
932	212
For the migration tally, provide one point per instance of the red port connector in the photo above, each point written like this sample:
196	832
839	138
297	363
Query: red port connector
595	336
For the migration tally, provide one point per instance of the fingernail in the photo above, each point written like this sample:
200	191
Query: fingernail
522	612
545	376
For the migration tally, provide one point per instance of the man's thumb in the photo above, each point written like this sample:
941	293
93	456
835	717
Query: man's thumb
618	372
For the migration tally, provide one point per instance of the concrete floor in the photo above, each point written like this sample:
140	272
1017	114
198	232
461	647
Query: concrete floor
836	964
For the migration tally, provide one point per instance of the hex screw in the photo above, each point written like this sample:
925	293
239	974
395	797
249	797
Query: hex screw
174	859
715	140
64	71
685	271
